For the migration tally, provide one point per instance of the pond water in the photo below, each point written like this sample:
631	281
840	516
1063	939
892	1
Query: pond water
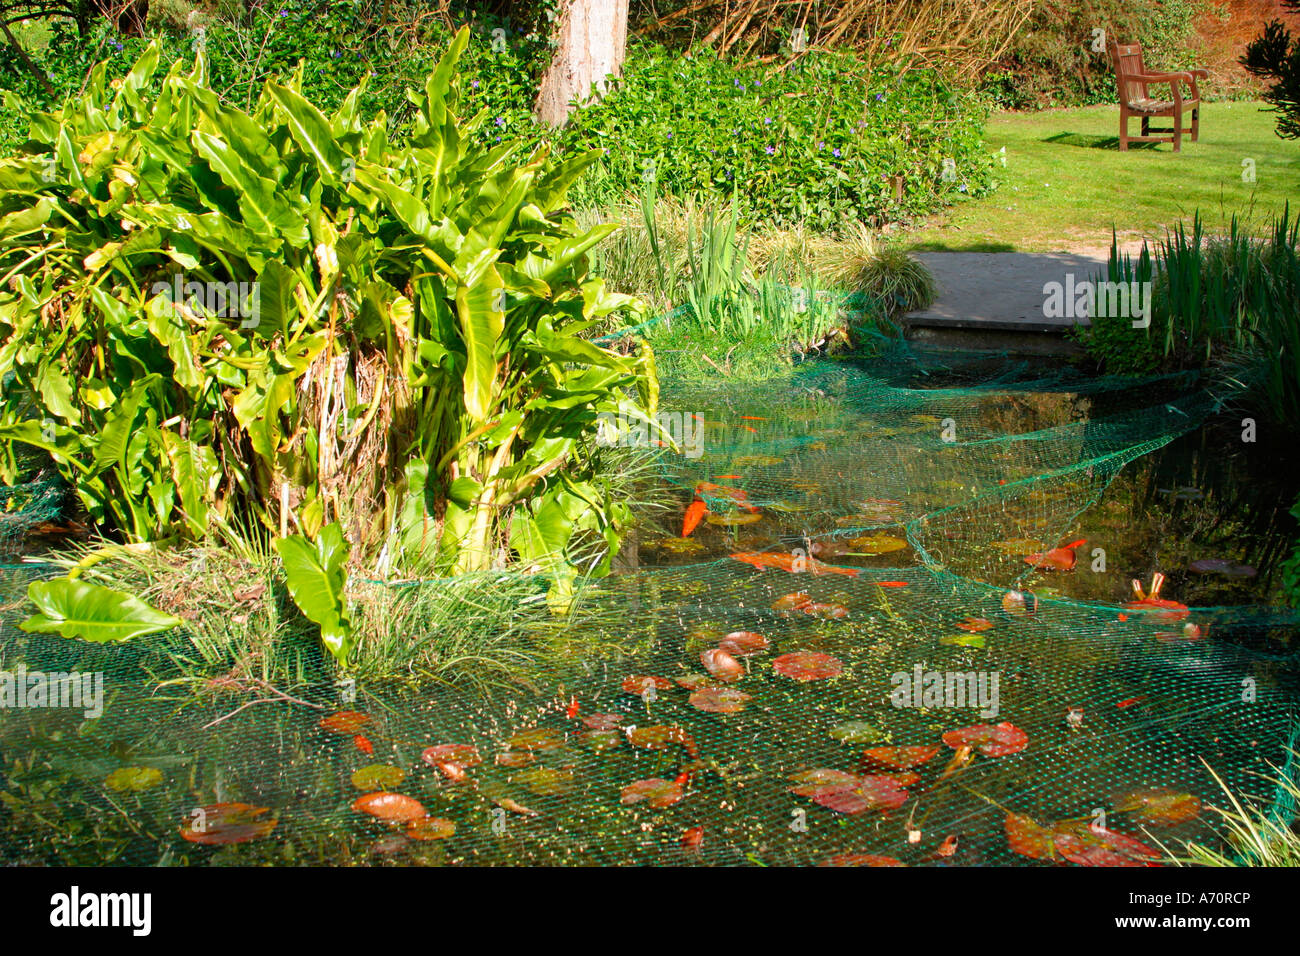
898	502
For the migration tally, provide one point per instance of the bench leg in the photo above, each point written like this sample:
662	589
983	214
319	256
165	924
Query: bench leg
1178	131
1196	123
1123	132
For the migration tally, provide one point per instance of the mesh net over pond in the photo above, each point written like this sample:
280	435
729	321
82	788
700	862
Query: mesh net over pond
860	554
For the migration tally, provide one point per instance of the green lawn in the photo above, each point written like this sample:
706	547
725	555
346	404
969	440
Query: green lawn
1066	182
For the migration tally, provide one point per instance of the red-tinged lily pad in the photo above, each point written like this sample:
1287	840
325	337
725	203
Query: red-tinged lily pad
1222	566
225	823
603	721
899	758
719	700
697	681
744	643
974	624
640	683
862	859
873	545
661	737
515	758
430	828
722	665
1159	806
791	602
992	740
807	665
462	755
1087	845
1029	838
537	738
655	791
390	807
849	794
349	722
1160	608
378	776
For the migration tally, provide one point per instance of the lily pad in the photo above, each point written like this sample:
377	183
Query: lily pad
722	665
877	544
515	758
225	823
537	738
845	793
603	721
992	740
1160	806
719	700
1087	845
389	807
974	624
832	611
601	740
546	781
733	519
654	791
378	776
128	779
462	755
744	643
963	640
858	732
791	602
661	737
640	683
1029	838
430	828
862	859
808	665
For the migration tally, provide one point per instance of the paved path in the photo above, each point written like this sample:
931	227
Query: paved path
1000	291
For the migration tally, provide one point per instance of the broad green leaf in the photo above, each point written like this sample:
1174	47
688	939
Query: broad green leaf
316	576
90	612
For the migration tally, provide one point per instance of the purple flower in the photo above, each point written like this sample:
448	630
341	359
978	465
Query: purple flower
117	45
335	54
770	150
670	134
758	83
880	96
767	121
500	121
284	13
474	84
836	153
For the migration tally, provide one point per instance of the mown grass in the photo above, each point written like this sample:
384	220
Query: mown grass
1066	184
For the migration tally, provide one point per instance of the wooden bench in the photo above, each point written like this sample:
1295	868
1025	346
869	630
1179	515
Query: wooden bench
1135	98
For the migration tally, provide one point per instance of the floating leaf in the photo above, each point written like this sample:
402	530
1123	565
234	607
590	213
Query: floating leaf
603	721
719	700
1029	838
537	738
697	681
744	643
899	758
992	740
807	665
1088	845
858	732
390	807
654	791
640	683
833	611
348	722
378	776
600	740
733	519
546	781
515	758
462	755
661	737
974	624
1160	806
845	793
722	665
872	545
224	823
126	779
791	602
430	828
963	640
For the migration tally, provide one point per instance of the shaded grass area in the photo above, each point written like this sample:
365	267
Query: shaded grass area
1066	184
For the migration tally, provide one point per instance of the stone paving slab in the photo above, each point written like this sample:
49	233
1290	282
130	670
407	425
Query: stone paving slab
1001	291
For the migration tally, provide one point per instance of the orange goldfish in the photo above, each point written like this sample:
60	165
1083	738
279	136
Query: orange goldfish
780	561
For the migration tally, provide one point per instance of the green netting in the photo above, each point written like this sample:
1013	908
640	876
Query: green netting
36	498
917	492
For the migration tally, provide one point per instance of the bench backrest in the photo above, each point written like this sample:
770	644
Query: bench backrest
1127	59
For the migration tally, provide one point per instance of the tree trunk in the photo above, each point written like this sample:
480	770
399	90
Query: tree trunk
592	43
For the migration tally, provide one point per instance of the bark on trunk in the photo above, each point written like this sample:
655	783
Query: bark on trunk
592	44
